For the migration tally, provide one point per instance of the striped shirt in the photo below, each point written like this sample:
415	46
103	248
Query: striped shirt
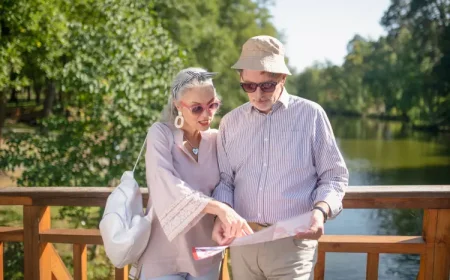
278	165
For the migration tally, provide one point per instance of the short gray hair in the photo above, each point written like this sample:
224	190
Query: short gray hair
185	79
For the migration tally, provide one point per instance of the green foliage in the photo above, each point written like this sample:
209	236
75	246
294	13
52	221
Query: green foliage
24	45
13	265
13	251
402	75
113	78
213	33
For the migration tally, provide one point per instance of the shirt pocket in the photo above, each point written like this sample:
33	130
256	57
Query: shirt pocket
291	141
292	148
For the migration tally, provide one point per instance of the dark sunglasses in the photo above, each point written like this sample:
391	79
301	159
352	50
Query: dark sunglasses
265	87
198	109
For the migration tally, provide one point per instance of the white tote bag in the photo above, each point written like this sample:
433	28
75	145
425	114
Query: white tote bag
124	227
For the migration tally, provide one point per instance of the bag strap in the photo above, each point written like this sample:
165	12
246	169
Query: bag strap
140	153
145	141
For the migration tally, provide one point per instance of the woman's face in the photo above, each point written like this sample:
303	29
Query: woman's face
198	106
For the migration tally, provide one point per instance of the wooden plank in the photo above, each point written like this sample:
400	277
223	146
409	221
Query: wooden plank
72	236
429	235
11	234
45	261
30	238
442	246
397	203
319	269
398	191
37	258
40	192
1	261
421	274
62	196
372	266
224	271
121	273
58	268
80	261
71	201
372	244
15	200
417	197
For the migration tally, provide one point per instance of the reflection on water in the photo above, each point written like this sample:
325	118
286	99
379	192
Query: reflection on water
385	153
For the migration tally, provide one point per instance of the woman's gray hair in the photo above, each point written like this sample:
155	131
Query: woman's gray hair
185	79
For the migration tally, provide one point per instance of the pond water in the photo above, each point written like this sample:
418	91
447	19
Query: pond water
384	153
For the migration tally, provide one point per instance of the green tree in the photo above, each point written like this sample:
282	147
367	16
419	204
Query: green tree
26	52
402	75
213	32
114	77
428	22
309	83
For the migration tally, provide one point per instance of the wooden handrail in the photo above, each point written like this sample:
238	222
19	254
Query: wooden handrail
11	234
356	197
43	262
72	236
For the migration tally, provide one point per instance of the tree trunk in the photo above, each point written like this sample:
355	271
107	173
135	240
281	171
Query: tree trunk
13	97
49	98
37	90
29	93
2	111
61	101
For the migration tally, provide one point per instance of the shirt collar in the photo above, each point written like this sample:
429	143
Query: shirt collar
283	100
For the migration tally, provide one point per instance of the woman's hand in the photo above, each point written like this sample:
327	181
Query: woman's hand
218	234
233	224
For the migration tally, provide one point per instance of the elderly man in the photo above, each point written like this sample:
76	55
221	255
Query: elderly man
278	158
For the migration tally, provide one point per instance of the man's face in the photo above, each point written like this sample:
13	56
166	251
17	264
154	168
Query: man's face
263	101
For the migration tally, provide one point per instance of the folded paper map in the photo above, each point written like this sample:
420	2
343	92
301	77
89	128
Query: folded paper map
279	230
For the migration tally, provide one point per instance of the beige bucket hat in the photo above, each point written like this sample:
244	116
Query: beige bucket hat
262	53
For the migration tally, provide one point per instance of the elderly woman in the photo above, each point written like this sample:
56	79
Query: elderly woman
182	171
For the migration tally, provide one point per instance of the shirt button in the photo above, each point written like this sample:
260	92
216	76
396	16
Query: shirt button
260	189
265	164
259	214
266	139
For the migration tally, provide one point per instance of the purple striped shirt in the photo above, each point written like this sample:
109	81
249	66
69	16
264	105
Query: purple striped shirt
278	165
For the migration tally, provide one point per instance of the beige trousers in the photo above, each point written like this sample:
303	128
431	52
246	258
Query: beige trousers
283	259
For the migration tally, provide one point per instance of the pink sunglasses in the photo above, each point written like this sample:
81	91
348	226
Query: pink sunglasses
198	109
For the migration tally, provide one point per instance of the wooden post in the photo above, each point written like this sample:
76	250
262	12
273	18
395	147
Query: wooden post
1	261
37	255
435	264
224	271
441	269
372	266
429	235
319	269
121	273
79	262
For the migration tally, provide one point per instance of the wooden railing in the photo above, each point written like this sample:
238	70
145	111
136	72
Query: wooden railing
41	260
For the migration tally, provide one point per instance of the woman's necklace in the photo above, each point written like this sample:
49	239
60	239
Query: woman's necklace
194	149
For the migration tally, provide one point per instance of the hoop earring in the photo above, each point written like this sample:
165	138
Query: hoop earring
179	120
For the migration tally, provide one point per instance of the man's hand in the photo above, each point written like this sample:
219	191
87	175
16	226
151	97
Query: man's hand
316	230
218	234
